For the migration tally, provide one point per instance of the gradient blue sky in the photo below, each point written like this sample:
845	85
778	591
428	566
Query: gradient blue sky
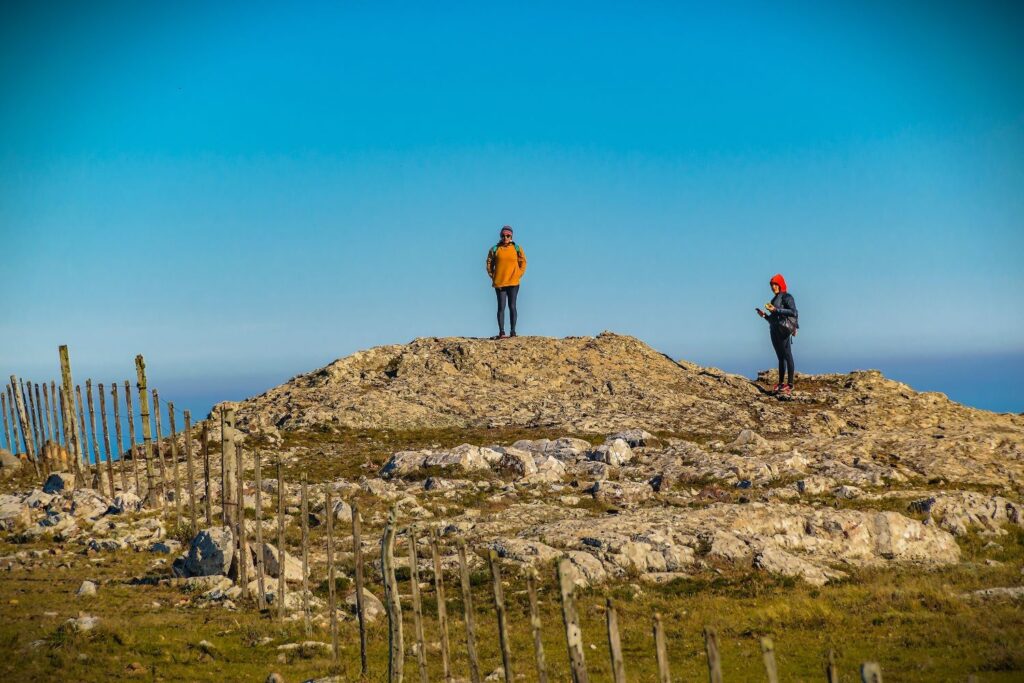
247	191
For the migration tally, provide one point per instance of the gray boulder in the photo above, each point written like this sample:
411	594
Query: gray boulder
211	552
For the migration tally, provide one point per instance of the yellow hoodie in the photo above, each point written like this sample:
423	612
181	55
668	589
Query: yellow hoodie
506	264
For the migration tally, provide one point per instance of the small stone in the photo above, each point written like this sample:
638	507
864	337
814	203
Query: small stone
87	589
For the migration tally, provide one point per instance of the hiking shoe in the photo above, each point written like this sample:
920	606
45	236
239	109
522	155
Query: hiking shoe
500	335
776	389
786	390
513	335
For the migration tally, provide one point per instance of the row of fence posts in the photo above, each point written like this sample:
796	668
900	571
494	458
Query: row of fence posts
44	428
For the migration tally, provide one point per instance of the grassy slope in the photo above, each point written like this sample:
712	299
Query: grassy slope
910	620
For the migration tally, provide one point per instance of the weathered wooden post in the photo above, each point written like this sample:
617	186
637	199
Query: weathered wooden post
357	559
499	610
467	608
98	476
393	606
281	587
44	434
158	451
14	420
83	434
768	654
131	437
243	542
535	625
26	429
714	660
7	430
147	434
573	633
51	415
332	603
205	436
660	652
831	670
106	440
870	672
118	435
174	463
442	606
31	403
304	511
261	598
191	472
53	408
615	643
63	403
227	452
417	608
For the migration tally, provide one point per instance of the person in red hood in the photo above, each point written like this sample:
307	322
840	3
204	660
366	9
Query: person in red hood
783	323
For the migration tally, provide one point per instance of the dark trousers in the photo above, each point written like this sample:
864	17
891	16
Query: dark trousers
507	295
782	341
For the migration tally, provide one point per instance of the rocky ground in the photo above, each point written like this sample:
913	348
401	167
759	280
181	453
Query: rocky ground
647	473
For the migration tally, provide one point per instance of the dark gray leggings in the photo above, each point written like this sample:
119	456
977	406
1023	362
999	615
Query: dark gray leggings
507	294
783	344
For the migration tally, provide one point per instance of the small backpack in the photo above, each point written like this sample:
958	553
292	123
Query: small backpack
494	250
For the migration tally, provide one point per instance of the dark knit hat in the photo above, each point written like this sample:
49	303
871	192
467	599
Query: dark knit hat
506	227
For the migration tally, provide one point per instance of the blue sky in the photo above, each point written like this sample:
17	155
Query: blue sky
245	192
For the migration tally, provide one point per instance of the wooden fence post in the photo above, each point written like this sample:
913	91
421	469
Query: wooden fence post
208	504
615	643
83	436
714	661
281	587
174	462
7	429
768	653
31	403
396	646
467	606
147	434
357	559
571	619
660	651
26	429
417	608
98	476
118	443
14	420
261	586
870	672
158	449
44	432
53	410
442	606
499	610
332	603
305	556
69	459
243	547
535	626
131	436
51	424
831	670
227	452
190	471
106	440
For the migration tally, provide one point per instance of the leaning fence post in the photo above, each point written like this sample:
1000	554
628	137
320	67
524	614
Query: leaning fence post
83	436
714	661
357	559
305	556
208	504
281	587
831	670
147	434
660	651
118	443
768	653
191	471
571	619
32	414
174	463
43	426
535	625
417	608
396	648
332	604
26	430
870	672
7	430
261	584
106	439
442	605
467	605
615	643
499	609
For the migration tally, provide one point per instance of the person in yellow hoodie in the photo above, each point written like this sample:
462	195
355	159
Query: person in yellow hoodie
506	264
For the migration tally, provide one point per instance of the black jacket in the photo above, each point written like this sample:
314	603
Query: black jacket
785	307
